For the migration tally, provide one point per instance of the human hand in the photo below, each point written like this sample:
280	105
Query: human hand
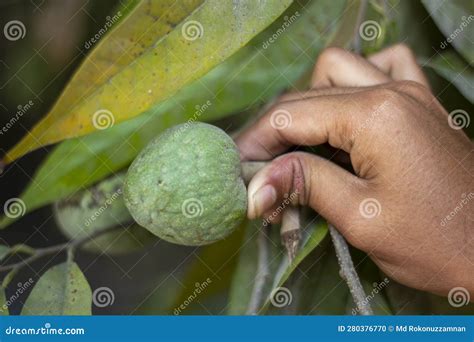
412	169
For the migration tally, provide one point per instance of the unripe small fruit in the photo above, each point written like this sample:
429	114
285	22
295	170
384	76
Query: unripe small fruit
98	208
186	185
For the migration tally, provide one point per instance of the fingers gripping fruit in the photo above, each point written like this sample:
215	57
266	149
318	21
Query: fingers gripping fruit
186	185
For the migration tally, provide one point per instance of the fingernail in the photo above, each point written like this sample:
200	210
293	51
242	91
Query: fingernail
262	200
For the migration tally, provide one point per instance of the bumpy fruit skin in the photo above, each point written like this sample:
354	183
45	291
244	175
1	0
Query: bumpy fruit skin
97	208
186	185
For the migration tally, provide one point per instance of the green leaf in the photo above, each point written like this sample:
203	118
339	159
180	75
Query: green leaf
253	75
210	271
62	290
246	270
417	34
454	18
4	251
130	71
324	293
213	266
454	69
311	239
407	301
244	277
161	299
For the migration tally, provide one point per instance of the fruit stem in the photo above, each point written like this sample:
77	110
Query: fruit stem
250	168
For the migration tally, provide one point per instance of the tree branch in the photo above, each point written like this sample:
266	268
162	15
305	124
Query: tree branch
41	252
262	272
348	272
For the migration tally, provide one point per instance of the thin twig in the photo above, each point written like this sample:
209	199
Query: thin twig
262	272
291	222
41	252
291	231
8	278
250	169
21	248
349	273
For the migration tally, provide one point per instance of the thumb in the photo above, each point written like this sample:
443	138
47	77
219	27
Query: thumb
307	180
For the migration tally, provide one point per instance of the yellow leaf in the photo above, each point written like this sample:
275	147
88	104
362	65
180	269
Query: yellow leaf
159	48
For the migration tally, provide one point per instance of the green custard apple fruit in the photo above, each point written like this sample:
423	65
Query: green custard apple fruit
97	208
186	185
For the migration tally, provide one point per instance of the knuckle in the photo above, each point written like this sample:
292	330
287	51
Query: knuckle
379	95
403	51
331	55
386	108
415	89
382	99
